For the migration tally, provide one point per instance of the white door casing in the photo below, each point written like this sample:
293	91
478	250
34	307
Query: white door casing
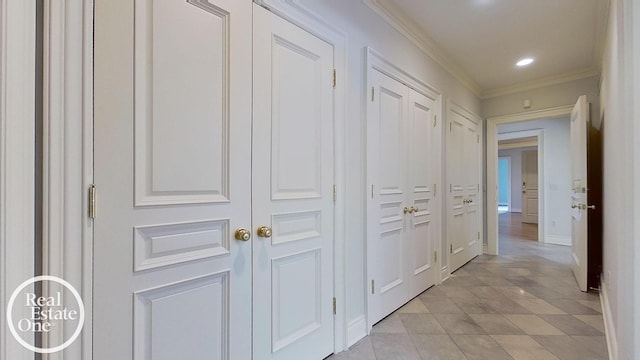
173	118
579	200
464	160
292	191
401	206
530	186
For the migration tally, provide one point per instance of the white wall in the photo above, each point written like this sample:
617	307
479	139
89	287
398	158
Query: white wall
557	175
620	110
365	28
516	175
544	98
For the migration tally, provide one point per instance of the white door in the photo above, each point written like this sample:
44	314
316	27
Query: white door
421	176
293	209
172	170
463	163
400	208
579	207
530	186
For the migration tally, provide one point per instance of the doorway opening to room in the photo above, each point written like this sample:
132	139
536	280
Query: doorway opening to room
518	184
539	165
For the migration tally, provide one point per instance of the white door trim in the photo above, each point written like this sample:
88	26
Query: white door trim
305	18
68	152
492	167
17	157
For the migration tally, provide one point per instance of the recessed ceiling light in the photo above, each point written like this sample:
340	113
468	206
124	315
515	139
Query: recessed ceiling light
524	62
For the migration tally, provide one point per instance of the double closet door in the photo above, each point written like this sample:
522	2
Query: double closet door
214	230
401	203
464	161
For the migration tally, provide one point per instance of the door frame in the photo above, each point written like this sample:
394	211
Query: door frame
67	247
308	20
17	157
491	153
508	158
453	107
375	61
69	143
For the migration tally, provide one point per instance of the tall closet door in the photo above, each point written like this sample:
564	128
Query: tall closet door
387	218
293	209
400	208
422	172
172	172
463	174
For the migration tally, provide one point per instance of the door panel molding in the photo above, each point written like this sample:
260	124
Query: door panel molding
305	18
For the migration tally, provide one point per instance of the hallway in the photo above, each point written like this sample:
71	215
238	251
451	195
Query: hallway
522	304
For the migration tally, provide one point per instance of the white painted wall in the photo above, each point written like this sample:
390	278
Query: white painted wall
516	175
544	98
557	175
619	95
365	28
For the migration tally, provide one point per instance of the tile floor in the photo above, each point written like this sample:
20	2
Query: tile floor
523	304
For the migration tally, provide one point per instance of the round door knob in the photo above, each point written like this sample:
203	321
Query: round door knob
414	209
264	231
407	210
243	234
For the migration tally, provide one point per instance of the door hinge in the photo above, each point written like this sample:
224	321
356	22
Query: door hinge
373	286
92	201
435	120
335	193
450	187
450	127
372	191
334	306
478	235
478	136
435	189
334	78
373	91
451	248
435	256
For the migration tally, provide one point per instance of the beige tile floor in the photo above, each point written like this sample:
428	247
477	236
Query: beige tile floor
522	304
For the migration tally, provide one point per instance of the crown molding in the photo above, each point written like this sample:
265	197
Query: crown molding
410	30
542	82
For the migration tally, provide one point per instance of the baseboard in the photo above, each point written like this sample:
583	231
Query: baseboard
356	330
516	210
609	328
558	240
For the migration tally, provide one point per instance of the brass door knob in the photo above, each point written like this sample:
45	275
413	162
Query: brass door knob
573	206
243	234
406	209
414	209
264	231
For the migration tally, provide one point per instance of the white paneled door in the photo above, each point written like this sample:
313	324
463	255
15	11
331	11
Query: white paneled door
464	160
530	186
579	199
293	181
172	169
213	239
401	204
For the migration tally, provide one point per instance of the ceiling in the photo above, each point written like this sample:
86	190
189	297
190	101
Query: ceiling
483	39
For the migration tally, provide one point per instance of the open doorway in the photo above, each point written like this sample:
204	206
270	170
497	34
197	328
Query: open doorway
504	184
520	222
547	134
